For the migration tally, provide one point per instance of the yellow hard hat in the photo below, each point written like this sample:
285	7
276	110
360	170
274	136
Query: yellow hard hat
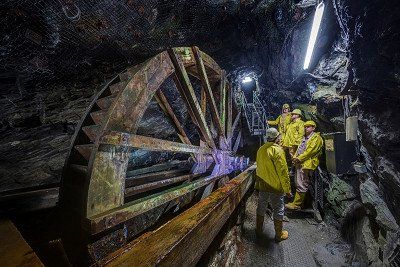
297	111
310	123
286	105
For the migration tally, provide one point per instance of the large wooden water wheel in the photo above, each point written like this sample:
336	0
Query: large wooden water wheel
125	173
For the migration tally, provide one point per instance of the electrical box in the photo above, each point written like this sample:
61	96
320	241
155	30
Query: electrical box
340	154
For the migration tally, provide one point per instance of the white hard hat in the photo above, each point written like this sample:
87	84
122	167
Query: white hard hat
271	134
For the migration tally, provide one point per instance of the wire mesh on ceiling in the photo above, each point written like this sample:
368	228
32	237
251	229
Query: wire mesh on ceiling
55	38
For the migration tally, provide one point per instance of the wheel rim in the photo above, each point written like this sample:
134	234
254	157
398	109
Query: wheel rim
94	177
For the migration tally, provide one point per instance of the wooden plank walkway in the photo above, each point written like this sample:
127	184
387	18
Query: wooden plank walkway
14	251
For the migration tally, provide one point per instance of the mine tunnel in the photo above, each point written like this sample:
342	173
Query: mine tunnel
199	133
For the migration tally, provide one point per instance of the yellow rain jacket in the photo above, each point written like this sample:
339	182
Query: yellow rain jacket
281	122
310	157
272	170
294	133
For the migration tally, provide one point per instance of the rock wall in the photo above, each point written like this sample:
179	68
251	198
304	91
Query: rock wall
37	124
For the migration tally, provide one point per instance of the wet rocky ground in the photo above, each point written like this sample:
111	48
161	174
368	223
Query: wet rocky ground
309	243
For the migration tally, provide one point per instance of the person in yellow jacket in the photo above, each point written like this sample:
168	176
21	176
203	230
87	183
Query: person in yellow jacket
306	161
282	121
294	132
272	182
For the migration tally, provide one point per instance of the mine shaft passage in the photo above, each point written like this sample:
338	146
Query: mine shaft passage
199	133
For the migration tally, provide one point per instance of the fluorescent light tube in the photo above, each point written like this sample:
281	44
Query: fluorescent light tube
319	11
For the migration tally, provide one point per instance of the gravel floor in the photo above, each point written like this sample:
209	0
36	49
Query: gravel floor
309	243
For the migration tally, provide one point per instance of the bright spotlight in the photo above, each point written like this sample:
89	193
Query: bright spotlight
247	79
319	11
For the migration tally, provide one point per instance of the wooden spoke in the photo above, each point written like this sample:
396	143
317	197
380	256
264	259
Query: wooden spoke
206	86
98	177
158	167
166	107
222	93
190	97
203	100
152	177
158	184
235	124
237	142
106	220
149	143
229	111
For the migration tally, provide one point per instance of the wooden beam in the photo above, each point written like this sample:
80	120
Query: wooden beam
222	102
190	97
28	199
229	111
206	86
195	229
158	167
150	143
14	251
152	177
166	107
111	218
203	101
235	124
237	142
158	184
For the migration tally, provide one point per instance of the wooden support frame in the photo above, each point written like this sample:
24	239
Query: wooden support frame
207	88
190	97
195	228
152	177
93	184
106	220
158	184
157	168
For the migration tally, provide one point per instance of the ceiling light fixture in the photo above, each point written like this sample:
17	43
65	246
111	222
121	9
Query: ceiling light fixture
319	11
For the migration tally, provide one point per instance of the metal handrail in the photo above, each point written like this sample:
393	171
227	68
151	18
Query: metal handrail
254	113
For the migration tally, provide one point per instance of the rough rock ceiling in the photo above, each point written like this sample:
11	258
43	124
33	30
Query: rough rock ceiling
55	38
